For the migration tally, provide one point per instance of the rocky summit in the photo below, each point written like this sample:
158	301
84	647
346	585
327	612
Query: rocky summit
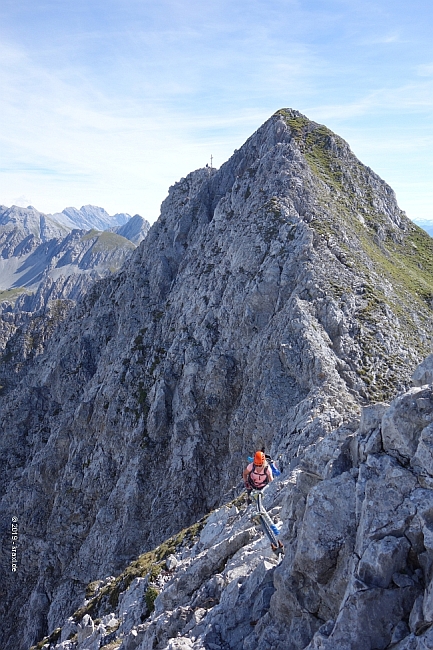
282	301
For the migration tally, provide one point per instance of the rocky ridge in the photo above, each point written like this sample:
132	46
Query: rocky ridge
355	517
272	300
19	223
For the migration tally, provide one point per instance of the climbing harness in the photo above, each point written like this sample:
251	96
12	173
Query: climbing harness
258	480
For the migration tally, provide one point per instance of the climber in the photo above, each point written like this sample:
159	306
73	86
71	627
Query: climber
258	473
257	476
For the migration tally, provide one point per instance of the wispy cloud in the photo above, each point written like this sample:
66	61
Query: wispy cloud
384	39
409	97
111	102
22	201
425	70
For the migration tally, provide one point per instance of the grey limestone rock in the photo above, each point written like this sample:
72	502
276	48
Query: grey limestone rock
402	424
253	314
132	605
401	631
171	562
356	575
422	459
424	372
207	563
416	619
85	629
382	559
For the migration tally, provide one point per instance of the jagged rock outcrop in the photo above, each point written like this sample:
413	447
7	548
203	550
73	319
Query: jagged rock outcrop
272	299
357	573
424	373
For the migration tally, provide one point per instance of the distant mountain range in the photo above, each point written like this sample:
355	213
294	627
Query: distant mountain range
90	216
427	225
52	256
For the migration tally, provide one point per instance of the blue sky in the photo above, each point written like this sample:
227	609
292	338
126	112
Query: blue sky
110	102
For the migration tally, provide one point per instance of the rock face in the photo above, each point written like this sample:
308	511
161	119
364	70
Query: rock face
272	299
23	336
356	575
424	373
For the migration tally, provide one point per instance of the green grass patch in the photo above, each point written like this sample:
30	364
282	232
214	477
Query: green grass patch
111	241
150	598
12	294
92	234
297	123
408	264
148	564
348	219
106	240
408	269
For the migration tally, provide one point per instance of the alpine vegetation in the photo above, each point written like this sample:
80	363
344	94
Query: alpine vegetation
280	304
